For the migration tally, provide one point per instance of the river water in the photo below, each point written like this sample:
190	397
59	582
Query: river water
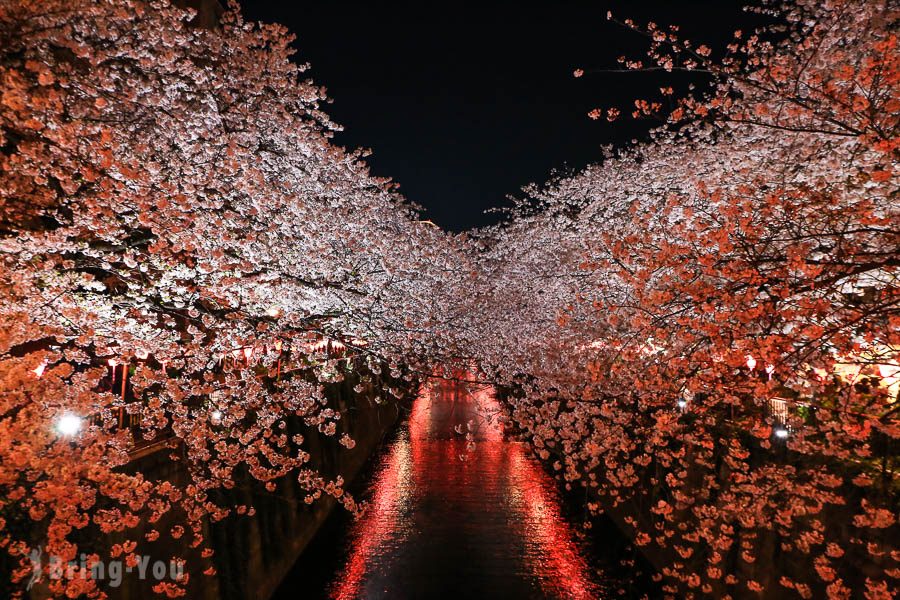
456	510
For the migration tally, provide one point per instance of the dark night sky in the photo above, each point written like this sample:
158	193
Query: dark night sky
463	104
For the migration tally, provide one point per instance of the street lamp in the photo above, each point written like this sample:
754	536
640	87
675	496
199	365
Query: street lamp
68	424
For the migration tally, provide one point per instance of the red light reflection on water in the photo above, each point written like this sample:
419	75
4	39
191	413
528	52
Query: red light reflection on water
499	484
555	559
378	525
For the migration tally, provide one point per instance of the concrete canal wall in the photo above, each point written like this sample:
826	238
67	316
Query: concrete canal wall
252	554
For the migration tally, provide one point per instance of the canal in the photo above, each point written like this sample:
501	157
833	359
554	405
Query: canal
456	509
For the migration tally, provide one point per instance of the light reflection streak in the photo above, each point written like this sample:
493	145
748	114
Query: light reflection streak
555	559
558	562
379	525
499	486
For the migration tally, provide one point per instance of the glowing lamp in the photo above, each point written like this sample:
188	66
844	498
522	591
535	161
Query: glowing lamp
682	404
751	362
273	311
68	424
781	433
215	417
248	352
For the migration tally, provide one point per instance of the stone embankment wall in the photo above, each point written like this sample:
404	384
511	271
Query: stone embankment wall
252	554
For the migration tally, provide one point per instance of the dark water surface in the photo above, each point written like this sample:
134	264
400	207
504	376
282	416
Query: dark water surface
451	517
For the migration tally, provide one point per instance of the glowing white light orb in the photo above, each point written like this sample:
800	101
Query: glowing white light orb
682	403
215	417
781	433
751	362
68	424
273	311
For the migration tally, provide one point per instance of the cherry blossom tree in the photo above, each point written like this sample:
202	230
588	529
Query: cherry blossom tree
703	330
180	240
